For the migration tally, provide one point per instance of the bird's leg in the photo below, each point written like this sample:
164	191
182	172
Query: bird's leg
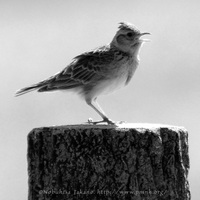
98	109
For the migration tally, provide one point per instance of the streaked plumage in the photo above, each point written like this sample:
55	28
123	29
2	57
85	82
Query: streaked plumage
100	71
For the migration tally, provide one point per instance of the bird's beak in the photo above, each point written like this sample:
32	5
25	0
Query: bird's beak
141	34
144	40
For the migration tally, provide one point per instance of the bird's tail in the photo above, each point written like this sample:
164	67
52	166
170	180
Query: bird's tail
31	88
26	90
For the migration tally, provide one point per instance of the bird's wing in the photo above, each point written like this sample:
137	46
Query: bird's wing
84	69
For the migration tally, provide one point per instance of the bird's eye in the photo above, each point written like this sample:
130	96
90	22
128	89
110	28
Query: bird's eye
129	34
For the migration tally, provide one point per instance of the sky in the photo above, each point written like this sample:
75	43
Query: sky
40	38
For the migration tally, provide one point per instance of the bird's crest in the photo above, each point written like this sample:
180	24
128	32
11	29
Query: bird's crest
128	26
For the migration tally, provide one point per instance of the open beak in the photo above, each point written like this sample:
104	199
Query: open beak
144	40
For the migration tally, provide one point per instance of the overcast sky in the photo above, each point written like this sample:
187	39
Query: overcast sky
39	38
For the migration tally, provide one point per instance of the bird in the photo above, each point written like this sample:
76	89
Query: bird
99	71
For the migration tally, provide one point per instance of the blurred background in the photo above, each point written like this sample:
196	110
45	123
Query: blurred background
39	38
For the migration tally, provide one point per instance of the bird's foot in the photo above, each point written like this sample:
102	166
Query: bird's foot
105	120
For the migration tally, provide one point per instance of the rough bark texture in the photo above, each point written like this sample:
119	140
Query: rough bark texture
133	162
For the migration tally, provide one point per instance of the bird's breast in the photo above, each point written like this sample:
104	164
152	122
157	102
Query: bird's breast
118	75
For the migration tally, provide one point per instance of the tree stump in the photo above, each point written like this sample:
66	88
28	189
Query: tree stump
131	161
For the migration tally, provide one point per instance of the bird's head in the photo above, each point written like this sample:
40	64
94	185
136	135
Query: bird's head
128	39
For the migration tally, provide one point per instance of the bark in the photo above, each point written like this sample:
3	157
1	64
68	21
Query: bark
133	162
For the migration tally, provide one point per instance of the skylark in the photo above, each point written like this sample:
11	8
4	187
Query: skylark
100	71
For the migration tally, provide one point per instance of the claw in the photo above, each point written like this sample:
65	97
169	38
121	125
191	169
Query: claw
90	121
122	122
